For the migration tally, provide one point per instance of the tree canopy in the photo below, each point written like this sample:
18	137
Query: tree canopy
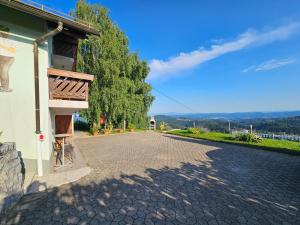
119	91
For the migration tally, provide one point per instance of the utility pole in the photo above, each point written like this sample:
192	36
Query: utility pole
250	128
229	128
124	125
194	124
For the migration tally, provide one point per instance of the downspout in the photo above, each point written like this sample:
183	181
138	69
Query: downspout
36	44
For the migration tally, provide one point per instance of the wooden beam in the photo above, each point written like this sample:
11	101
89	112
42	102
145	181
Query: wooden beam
66	73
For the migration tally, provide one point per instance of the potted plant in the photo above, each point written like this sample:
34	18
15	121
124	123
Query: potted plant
94	130
106	131
131	127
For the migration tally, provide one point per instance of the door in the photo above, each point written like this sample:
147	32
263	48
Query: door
63	124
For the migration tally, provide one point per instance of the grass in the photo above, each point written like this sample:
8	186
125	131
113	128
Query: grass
267	144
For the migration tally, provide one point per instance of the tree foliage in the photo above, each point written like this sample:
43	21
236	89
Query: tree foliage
119	91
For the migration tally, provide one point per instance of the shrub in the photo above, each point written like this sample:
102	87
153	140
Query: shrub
248	138
195	130
131	126
163	126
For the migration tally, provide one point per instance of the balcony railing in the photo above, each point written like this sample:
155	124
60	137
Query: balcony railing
68	85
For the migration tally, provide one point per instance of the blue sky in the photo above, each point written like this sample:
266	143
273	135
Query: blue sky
214	56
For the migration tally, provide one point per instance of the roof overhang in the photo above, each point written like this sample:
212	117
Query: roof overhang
50	15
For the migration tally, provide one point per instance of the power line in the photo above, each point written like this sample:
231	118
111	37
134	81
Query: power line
174	100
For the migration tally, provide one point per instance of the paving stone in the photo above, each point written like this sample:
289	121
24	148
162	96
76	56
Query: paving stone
152	178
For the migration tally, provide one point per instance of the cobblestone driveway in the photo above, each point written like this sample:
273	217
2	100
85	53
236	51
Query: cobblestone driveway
151	178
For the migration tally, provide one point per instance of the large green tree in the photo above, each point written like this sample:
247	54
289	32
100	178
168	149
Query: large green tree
119	91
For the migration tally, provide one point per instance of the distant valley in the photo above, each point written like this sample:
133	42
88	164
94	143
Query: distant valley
235	115
266	122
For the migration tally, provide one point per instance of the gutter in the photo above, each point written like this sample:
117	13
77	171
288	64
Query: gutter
36	44
51	15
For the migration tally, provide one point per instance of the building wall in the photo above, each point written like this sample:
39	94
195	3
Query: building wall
17	107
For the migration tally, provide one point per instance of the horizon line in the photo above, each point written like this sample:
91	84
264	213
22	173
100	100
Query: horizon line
276	111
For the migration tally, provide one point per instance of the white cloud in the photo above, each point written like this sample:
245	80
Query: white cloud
218	41
186	61
270	65
248	69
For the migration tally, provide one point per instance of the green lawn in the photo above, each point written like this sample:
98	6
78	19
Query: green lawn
268	144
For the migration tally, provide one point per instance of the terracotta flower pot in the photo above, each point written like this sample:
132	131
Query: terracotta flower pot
106	132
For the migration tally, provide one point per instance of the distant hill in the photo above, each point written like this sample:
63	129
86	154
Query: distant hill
289	125
237	115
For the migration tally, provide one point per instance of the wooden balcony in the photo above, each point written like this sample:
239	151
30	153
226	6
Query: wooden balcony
68	85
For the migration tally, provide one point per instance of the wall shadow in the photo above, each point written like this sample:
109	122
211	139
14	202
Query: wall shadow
226	189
